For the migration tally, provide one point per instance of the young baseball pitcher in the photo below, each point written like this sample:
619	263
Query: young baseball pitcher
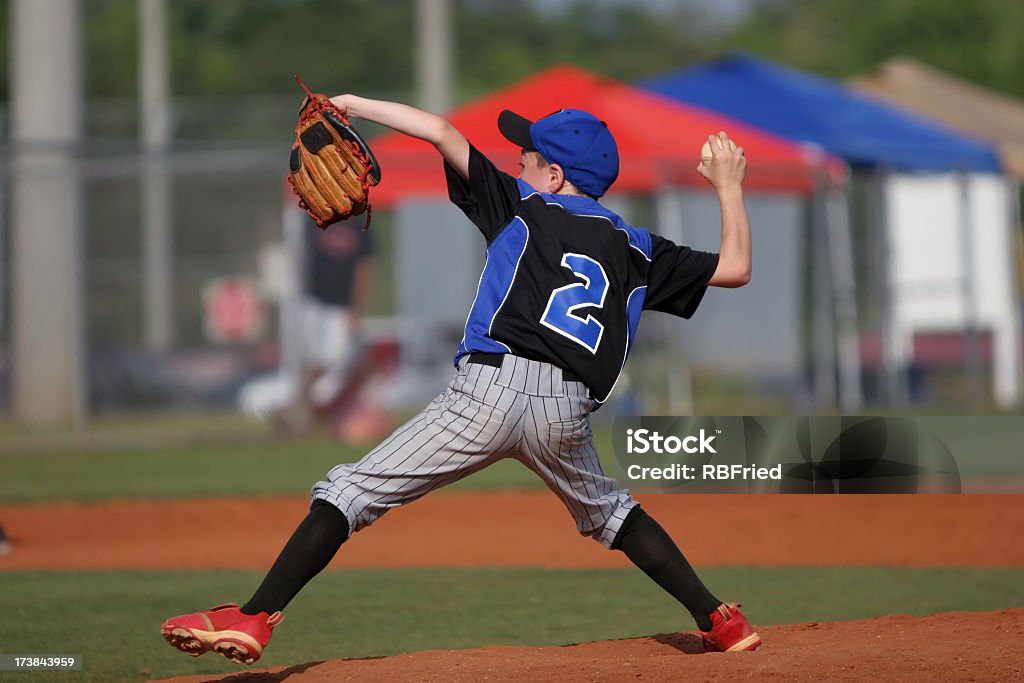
557	308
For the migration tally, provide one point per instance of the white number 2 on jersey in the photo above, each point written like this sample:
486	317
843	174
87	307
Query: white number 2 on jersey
560	314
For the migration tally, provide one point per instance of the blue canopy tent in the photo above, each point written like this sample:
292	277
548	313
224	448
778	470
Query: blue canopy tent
867	135
808	108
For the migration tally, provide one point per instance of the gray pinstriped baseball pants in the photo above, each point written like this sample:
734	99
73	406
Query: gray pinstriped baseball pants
521	410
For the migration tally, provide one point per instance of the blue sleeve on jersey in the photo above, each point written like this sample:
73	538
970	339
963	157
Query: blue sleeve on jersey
639	239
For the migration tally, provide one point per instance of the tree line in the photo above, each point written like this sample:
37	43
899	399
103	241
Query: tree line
254	46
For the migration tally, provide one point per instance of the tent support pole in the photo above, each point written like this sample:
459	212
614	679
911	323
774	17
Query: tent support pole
851	397
969	293
1007	389
891	367
823	323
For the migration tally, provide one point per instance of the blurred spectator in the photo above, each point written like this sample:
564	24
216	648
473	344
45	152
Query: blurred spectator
338	273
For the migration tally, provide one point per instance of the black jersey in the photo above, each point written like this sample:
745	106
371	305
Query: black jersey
565	279
332	258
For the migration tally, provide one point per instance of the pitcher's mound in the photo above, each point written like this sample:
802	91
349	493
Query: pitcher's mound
953	646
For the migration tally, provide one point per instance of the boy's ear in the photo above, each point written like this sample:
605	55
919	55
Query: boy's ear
556	177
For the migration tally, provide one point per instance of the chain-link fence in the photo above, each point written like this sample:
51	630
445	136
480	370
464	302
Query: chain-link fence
223	180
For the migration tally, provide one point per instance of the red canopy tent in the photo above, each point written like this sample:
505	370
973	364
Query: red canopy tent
659	139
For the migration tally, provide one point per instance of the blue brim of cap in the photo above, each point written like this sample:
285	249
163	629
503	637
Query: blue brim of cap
516	129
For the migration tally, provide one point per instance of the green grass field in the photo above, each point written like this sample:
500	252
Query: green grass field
113	618
249	468
183	456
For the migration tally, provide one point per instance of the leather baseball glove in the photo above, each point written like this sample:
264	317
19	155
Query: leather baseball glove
331	168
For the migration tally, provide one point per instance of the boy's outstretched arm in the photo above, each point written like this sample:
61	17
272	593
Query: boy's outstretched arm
417	123
726	172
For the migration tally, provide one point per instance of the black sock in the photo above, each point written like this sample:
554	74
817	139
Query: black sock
308	551
647	545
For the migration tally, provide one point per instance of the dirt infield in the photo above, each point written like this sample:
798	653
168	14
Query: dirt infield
955	646
526	529
531	529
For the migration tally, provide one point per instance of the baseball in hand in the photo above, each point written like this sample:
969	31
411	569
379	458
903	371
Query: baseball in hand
705	151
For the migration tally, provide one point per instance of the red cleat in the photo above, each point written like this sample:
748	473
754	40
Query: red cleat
730	631
224	630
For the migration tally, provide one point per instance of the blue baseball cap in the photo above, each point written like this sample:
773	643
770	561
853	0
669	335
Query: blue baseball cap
577	141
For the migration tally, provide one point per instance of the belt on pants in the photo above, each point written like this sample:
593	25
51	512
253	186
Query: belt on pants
494	360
